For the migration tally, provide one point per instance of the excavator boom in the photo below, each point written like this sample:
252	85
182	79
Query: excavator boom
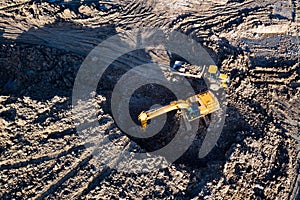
147	115
193	107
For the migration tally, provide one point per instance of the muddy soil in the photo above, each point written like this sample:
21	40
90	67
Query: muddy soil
43	44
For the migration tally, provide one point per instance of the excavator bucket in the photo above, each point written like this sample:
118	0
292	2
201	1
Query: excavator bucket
143	119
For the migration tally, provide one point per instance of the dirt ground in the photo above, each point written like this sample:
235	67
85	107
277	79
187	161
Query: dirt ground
43	44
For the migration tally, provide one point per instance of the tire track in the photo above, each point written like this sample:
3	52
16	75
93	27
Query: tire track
92	184
37	160
275	76
89	182
217	18
84	160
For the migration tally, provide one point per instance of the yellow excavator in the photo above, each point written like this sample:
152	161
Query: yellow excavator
193	107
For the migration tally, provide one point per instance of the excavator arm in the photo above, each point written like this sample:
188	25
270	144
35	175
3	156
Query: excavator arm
193	107
147	115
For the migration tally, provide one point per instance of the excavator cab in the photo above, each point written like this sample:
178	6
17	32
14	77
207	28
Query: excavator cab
193	111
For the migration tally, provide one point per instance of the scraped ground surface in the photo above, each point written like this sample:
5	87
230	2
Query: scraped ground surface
43	44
